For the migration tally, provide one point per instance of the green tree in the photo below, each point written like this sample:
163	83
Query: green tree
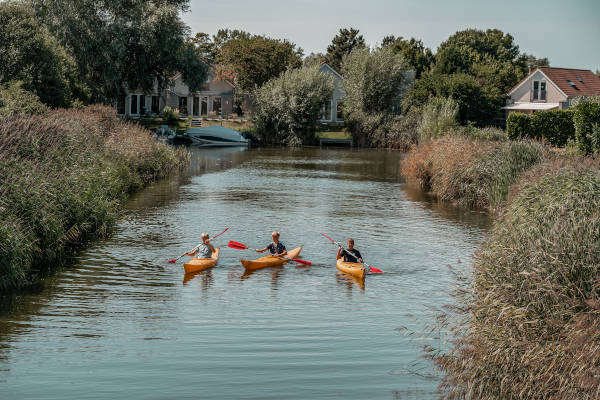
474	104
530	61
313	60
252	60
343	44
31	55
418	57
117	42
374	80
287	107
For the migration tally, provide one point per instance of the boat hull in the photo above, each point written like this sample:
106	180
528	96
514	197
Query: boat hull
270	261
351	268
200	264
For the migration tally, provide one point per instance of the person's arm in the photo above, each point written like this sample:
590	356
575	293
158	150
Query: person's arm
359	257
210	246
193	251
339	254
261	250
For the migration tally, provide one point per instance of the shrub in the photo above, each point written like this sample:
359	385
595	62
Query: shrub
438	117
488	133
530	325
555	126
14	100
287	107
169	114
587	124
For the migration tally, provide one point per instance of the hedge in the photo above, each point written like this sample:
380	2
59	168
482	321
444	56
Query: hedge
555	126
586	118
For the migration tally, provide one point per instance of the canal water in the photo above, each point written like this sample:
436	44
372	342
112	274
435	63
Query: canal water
122	323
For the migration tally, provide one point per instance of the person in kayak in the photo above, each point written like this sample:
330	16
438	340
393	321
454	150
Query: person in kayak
350	254
275	247
203	250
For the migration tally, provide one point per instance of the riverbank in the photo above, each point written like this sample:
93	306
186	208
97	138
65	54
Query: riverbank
527	325
64	175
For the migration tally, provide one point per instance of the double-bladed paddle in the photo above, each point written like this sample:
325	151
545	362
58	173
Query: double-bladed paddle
214	237
372	269
241	246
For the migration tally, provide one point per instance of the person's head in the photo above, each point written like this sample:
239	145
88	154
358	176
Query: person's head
204	237
275	236
350	244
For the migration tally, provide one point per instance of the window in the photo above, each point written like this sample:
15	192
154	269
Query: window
536	85
142	104
155	105
121	105
196	106
217	105
572	84
340	111
542	90
134	104
326	111
183	105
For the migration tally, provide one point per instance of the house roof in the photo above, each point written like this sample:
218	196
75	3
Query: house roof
531	106
326	64
572	82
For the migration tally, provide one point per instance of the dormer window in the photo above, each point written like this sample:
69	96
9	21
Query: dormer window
536	88
543	91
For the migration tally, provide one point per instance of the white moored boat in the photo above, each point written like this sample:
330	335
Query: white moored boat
216	135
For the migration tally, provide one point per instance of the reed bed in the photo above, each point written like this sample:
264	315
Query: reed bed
528	326
471	172
63	176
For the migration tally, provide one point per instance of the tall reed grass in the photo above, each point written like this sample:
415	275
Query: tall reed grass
529	325
62	178
476	173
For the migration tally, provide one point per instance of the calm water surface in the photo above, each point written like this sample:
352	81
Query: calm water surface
122	323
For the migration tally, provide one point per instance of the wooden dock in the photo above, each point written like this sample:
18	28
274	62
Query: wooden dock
335	142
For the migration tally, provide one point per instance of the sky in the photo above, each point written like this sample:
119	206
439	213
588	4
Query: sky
566	31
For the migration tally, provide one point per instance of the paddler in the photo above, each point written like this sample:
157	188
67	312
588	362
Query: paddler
275	247
350	254
204	249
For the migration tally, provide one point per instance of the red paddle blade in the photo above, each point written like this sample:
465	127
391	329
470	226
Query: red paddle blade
236	245
172	261
375	270
301	261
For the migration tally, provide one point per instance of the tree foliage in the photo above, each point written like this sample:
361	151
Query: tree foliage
252	60
31	55
116	42
287	107
343	44
373	80
14	100
418	57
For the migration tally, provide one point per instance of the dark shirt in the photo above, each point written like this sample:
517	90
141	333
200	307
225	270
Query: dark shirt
276	248
349	258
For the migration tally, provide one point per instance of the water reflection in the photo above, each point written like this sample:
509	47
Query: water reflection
349	281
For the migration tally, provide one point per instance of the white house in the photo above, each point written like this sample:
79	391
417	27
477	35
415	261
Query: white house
547	88
333	110
214	100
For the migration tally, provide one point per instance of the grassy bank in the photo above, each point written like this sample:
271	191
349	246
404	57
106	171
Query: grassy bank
62	178
471	172
527	325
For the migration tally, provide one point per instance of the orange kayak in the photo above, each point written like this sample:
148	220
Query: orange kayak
351	268
270	261
200	264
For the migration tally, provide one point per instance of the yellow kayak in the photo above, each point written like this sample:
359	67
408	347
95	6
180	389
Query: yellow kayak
351	268
270	261
200	264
